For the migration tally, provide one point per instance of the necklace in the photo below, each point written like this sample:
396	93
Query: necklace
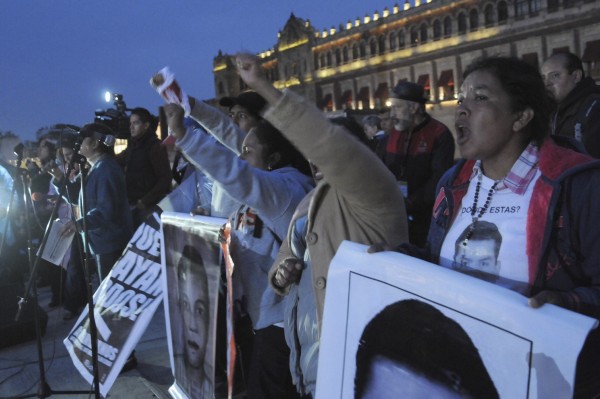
483	209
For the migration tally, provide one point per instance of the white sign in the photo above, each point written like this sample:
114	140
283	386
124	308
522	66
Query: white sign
458	329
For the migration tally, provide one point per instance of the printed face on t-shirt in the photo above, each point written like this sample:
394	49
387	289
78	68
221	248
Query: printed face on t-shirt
479	255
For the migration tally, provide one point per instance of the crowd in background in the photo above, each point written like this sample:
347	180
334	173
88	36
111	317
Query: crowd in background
516	209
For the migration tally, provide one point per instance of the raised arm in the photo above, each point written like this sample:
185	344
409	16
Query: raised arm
346	163
218	124
271	194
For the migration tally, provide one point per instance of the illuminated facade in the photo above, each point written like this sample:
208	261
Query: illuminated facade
429	42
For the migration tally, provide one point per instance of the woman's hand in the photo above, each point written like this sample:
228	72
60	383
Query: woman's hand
252	73
288	272
174	114
250	70
546	297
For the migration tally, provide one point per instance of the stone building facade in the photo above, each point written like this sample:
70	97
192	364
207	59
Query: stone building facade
354	66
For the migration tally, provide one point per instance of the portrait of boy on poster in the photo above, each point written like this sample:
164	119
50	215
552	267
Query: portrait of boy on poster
192	268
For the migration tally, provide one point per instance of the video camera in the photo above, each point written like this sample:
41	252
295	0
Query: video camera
116	118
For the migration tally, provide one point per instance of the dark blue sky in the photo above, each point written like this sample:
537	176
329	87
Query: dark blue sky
59	56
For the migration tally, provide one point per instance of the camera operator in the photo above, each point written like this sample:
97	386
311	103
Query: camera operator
146	165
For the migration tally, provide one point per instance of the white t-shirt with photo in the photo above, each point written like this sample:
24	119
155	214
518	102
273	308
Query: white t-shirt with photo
508	212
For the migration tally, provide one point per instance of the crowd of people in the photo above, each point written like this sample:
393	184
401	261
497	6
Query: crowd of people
515	209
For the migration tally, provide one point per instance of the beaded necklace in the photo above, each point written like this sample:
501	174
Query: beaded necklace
483	209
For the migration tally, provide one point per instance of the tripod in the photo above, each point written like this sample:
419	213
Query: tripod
44	389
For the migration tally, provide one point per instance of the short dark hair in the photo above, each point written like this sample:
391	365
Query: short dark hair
571	62
525	88
97	130
146	116
416	334
480	231
184	268
275	141
372	120
384	110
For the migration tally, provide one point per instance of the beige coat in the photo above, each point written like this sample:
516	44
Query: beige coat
359	199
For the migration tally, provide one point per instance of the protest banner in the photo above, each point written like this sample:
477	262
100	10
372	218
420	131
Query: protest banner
383	311
191	266
124	304
142	255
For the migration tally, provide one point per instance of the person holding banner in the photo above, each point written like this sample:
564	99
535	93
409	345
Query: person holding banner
268	179
538	193
357	199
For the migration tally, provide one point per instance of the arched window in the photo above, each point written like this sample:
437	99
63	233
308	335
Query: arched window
345	54
414	36
502	12
437	29
401	39
393	41
462	23
381	44
363	49
474	20
488	15
338	57
447	27
373	47
354	52
423	32
329	59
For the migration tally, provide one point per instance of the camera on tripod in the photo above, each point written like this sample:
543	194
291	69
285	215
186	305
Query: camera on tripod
116	118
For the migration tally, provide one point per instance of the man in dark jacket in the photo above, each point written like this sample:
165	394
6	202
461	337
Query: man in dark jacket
418	152
146	165
578	99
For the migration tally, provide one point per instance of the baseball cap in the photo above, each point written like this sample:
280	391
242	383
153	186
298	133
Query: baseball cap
250	100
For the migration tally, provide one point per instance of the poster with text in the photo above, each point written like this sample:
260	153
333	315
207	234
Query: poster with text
396	326
191	265
124	304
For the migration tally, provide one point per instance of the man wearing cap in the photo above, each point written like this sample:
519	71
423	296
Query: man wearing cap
418	152
146	165
244	109
244	114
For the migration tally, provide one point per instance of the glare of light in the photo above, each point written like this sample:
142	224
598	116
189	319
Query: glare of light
107	96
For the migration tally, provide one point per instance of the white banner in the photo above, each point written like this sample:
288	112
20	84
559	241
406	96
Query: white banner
421	326
124	304
191	266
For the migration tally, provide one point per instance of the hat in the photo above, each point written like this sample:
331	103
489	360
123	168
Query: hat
250	100
409	91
